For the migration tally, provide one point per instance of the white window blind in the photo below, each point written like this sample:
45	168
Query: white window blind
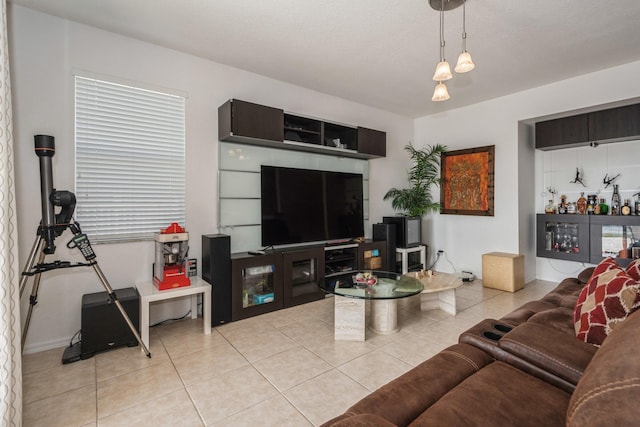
130	160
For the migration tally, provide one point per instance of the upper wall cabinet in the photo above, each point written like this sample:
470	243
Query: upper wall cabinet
373	142
611	125
615	124
561	133
242	121
248	123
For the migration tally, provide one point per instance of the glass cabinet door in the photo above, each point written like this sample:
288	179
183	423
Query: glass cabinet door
302	272
617	237
563	237
256	285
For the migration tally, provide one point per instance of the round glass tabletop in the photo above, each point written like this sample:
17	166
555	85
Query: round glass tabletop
372	285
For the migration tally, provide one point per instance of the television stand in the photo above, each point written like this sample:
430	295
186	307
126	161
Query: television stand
286	277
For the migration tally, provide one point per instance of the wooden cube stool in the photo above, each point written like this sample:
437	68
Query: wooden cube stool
503	271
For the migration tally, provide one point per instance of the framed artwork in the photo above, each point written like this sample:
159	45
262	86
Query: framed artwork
467	181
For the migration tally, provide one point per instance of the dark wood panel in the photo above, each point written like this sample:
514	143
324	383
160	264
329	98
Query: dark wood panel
614	123
562	132
372	142
242	119
300	290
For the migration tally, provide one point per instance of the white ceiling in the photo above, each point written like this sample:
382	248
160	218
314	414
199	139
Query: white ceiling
381	53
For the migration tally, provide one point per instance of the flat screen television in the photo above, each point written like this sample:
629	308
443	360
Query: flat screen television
304	205
408	230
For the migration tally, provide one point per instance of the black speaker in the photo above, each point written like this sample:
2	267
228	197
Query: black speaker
387	232
216	270
103	327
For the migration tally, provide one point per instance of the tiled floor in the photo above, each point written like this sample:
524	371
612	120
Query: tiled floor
278	369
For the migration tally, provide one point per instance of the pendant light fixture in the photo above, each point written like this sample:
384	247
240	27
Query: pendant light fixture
465	64
443	71
440	93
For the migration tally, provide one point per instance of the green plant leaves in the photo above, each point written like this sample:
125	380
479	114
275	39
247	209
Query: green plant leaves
423	175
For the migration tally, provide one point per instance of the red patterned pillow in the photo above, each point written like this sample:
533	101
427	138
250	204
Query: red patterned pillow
606	300
633	269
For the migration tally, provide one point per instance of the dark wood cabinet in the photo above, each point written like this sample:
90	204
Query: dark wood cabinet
292	276
372	142
256	285
248	123
303	270
241	121
564	132
615	123
604	126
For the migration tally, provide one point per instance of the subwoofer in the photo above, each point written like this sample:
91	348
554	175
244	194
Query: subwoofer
103	327
216	270
387	232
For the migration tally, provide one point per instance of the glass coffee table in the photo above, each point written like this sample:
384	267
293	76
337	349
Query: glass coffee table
352	289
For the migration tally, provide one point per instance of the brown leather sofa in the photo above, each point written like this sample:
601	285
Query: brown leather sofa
526	369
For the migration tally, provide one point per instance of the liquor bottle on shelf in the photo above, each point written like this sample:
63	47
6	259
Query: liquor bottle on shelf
636	207
604	208
625	209
550	208
562	206
591	204
582	204
615	201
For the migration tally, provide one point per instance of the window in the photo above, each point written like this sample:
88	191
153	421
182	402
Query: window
130	160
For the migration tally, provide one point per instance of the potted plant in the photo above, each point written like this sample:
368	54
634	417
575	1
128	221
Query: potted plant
417	200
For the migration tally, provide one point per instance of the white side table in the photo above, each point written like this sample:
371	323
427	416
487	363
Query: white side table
405	256
149	293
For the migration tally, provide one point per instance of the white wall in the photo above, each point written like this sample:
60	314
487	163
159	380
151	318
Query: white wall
45	51
500	122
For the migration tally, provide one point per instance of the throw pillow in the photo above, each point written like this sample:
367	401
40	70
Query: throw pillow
633	269
606	300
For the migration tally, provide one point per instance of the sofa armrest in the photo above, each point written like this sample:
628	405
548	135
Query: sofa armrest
550	349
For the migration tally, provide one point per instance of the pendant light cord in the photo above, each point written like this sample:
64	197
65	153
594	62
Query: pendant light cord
464	25
442	31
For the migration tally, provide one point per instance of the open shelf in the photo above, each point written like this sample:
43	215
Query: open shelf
302	129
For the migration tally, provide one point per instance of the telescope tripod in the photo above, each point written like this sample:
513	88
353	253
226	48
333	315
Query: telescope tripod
80	241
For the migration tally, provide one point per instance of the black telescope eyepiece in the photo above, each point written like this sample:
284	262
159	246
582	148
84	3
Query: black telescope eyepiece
45	145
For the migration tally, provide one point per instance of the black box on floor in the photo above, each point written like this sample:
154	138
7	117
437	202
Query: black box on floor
103	327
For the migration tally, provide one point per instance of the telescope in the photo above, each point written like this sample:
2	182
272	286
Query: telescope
52	224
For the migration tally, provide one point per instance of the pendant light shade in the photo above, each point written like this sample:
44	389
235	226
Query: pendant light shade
443	72
440	93
465	64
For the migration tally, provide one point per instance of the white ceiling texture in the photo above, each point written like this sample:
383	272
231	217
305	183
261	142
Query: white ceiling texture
381	53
